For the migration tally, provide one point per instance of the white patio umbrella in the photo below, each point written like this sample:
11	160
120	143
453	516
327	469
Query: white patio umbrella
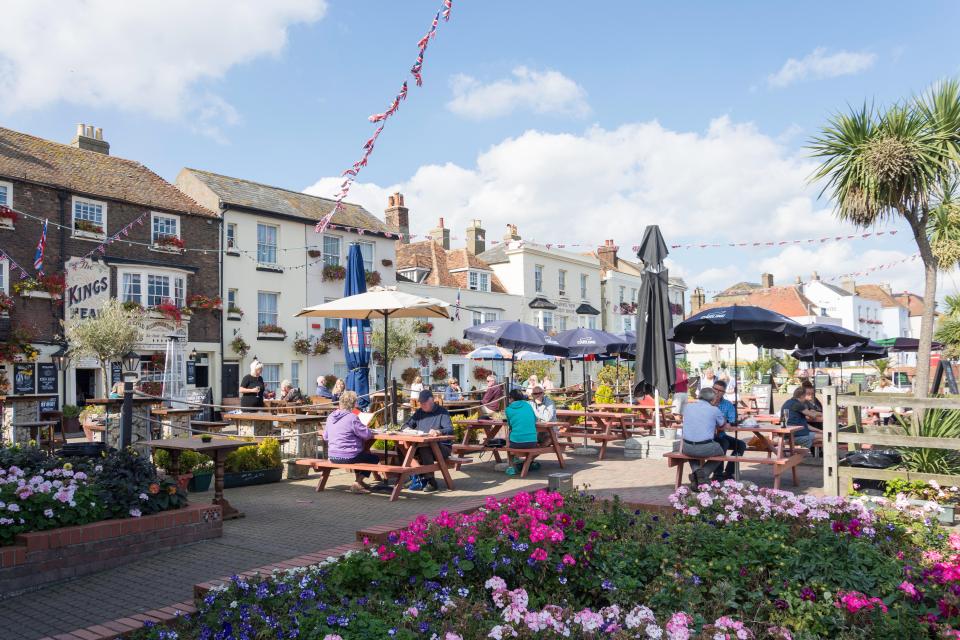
380	304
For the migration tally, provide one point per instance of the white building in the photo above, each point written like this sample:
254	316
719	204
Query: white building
560	289
275	264
894	317
855	312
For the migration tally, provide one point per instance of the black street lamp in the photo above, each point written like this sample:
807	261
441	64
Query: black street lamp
131	368
61	360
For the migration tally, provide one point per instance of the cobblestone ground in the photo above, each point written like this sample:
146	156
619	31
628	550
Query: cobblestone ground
287	519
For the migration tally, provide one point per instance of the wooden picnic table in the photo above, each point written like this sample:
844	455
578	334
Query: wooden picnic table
217	449
605	422
491	428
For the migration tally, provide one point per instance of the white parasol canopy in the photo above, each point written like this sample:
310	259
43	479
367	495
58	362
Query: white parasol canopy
378	304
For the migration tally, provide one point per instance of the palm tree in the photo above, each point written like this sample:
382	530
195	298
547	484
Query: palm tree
902	162
881	366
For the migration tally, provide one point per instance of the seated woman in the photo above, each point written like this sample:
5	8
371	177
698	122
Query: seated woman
116	391
338	388
523	427
347	440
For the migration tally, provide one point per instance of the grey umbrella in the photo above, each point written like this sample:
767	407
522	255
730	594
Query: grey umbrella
655	367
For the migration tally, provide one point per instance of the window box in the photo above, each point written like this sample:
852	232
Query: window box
83	234
7	218
234	313
273	268
43	295
334	272
232	251
271	332
168	244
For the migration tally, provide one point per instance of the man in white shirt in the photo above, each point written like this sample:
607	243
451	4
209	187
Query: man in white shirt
543	406
707	379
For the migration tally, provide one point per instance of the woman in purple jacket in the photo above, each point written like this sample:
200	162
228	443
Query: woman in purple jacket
347	440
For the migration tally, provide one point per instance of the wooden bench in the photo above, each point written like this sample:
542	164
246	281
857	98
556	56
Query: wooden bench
677	459
400	472
593	436
528	455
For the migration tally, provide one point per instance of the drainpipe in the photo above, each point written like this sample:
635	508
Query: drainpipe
223	297
62	198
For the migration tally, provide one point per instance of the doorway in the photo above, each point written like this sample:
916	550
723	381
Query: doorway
86	385
230	381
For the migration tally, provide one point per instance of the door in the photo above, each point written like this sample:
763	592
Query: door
230	380
86	385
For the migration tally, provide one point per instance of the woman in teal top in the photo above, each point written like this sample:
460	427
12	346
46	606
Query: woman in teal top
522	421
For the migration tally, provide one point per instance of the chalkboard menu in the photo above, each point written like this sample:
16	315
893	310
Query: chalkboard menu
821	380
23	377
191	372
860	379
50	404
764	395
47	378
116	373
951	379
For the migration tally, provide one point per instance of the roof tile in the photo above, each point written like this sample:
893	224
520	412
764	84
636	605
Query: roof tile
788	301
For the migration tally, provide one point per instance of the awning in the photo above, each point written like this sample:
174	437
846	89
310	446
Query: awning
542	303
586	310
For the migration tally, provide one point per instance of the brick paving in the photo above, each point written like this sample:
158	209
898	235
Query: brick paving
290	519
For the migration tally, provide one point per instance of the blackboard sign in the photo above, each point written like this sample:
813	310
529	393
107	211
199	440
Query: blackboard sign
821	380
951	379
191	372
860	379
116	373
766	379
50	404
764	395
23	377
47	378
198	396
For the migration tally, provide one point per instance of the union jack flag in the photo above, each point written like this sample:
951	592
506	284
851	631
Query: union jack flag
41	246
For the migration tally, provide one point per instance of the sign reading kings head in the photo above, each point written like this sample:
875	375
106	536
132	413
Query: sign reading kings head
87	288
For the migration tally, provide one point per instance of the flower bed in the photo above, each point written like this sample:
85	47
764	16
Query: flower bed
732	561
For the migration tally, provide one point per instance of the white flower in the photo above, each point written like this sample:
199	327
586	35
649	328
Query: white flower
48	513
135	513
144	496
654	632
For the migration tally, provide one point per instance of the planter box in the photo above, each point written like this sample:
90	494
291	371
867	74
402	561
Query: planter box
165	249
945	517
6	223
42	295
250	478
264	335
40	557
200	482
234	316
232	251
89	235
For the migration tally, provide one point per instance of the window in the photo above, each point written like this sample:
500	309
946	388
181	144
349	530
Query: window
479	317
562	282
158	290
6	194
164	226
591	322
583	286
479	281
267	244
131	290
232	299
295	374
331	323
331	251
271	376
267	308
623	292
4	277
538	278
546	321
628	321
366	250
232	235
633	296
89	216
561	323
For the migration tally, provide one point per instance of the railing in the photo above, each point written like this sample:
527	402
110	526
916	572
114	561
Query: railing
837	478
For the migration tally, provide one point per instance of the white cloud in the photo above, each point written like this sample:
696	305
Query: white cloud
852	259
153	57
821	64
541	92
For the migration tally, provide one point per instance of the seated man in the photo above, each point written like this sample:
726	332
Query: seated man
322	389
728	442
797	414
290	394
700	423
543	406
433	420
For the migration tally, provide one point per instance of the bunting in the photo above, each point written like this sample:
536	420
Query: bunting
780	243
350	174
13	263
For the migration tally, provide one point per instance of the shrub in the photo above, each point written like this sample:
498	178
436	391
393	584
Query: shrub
190	461
265	455
372	278
409	375
128	485
56	497
604	395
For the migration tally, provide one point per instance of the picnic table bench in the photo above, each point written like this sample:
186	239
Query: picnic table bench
492	427
408	444
779	456
601	431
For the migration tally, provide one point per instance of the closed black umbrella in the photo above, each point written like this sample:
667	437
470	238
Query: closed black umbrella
751	325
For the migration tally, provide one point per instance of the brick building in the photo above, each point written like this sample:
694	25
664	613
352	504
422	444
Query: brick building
88	196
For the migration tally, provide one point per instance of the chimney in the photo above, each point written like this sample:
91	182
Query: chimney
849	285
799	280
607	253
886	287
397	217
766	280
511	235
441	235
697	300
90	139
814	277
476	238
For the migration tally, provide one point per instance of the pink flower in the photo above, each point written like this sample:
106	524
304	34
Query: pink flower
412	612
910	589
569	560
539	554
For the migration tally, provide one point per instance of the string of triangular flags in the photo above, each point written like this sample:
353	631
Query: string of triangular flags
101	248
13	263
350	175
780	243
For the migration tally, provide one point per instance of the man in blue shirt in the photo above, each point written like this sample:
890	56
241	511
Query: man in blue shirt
728	442
701	419
796	412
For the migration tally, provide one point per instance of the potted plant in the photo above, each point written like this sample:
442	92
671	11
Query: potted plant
196	469
256	464
271	332
332	336
71	418
87	229
8	218
48	286
171	311
320	348
314	253
6	304
372	278
172	244
423	326
234	312
439	374
199	302
239	346
334	272
456	347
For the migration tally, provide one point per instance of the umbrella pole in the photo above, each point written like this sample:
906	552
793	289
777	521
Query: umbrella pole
656	410
618	376
736	383
586	402
391	402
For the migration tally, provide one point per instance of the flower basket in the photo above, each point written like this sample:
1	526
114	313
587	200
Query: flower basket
424	327
87	229
302	345
332	337
169	310
320	348
387	262
6	303
240	346
372	278
334	272
271	331
234	313
439	374
169	243
314	253
199	302
481	373
456	347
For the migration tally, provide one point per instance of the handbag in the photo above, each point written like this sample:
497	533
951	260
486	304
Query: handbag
496	443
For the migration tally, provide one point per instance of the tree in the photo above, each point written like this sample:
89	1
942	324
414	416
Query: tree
901	162
526	368
882	367
948	332
108	336
790	367
403	339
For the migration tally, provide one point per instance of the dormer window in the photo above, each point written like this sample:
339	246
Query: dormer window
479	281
418	274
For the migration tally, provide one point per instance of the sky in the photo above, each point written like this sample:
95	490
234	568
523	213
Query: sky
576	121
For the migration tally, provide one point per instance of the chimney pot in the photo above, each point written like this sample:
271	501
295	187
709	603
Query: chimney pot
441	224
90	138
98	133
799	280
80	129
850	285
815	276
397	217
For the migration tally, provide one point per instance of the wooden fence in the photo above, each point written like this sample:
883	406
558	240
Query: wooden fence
836	478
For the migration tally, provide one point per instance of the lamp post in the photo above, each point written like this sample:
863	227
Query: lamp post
61	359
131	366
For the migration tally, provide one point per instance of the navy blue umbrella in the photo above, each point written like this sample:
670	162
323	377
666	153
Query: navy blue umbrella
356	333
830	335
869	351
515	336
